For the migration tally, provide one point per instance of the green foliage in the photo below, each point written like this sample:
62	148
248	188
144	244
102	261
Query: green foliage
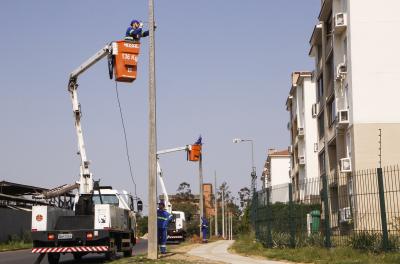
142	223
364	241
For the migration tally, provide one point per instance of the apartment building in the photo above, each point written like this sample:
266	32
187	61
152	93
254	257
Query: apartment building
303	135
357	73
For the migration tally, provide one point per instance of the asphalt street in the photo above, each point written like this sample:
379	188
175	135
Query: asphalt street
26	257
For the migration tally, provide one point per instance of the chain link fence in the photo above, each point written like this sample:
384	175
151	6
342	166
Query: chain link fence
362	211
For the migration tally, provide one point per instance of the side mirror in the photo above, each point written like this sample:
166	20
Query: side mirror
139	205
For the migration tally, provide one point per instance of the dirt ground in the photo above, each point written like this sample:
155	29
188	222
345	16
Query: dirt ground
179	253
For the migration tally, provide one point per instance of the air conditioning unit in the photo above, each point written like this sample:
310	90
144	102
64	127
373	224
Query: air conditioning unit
315	147
341	71
345	165
315	110
343	117
300	131
290	149
302	160
345	214
340	22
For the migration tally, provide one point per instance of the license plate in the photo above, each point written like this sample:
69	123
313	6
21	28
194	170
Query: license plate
64	236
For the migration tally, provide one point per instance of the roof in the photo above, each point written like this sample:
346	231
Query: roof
279	153
12	188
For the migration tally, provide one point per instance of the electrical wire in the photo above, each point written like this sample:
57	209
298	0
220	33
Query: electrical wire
125	137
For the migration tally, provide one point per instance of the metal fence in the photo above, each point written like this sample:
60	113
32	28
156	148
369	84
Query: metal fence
363	211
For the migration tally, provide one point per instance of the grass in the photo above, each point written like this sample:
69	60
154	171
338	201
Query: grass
14	246
246	245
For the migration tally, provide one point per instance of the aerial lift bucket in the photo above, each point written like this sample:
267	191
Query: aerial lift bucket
194	152
126	54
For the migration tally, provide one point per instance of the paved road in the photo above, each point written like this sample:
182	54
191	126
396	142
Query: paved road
26	257
218	251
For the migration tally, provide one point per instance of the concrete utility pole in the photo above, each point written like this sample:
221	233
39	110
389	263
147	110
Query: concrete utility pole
152	247
201	192
215	203
223	213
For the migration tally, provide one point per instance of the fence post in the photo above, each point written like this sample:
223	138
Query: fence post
385	236
326	211
292	226
269	218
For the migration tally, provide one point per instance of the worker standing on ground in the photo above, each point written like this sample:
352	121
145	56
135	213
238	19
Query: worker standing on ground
135	31
163	219
204	228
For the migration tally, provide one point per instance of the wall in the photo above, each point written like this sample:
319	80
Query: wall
280	170
375	55
13	222
310	132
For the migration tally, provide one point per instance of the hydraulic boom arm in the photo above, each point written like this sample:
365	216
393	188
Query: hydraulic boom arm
86	180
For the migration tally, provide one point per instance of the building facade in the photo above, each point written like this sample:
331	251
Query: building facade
276	174
356	73
302	125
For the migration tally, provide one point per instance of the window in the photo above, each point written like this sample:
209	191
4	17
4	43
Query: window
321	125
331	105
106	198
321	162
320	87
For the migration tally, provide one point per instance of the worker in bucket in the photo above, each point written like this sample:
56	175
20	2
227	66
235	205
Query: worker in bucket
163	219
135	31
204	228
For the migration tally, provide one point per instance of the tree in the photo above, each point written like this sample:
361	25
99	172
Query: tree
244	198
184	192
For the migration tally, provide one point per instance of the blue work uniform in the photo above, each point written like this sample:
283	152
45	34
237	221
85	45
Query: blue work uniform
135	34
204	228
163	219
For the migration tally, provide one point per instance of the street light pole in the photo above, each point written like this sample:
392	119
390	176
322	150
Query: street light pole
253	167
152	220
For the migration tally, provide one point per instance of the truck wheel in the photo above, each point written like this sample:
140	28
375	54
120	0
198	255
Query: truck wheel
53	258
77	256
128	253
110	255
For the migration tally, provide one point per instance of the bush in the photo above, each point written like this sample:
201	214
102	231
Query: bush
314	240
365	241
280	239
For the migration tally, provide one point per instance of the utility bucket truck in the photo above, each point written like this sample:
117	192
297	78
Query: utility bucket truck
177	228
103	219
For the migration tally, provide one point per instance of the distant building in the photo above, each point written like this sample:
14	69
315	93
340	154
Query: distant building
303	135
208	199
208	203
276	174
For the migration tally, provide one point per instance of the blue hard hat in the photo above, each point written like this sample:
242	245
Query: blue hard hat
134	21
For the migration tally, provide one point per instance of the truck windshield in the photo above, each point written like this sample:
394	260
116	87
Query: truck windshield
107	199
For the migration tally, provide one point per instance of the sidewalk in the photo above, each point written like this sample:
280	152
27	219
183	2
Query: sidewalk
218	251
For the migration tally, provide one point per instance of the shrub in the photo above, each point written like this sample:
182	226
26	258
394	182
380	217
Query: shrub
365	241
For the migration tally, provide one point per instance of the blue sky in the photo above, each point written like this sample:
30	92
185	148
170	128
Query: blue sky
223	71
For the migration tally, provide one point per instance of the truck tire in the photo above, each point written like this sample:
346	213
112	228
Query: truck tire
77	256
53	258
111	255
128	253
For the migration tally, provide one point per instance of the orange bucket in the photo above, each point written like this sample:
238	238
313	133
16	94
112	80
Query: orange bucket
126	58
194	152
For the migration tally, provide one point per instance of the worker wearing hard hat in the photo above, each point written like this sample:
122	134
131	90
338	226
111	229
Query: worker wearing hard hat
163	219
135	31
